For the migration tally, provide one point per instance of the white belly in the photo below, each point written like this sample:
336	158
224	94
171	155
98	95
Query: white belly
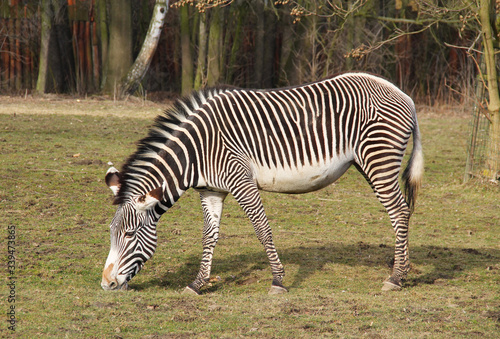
300	179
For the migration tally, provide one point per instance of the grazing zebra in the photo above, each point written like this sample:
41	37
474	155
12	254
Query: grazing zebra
290	140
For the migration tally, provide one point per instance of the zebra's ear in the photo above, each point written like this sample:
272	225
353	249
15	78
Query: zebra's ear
113	180
150	199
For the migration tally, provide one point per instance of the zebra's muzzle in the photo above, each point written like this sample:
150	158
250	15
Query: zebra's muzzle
114	286
110	282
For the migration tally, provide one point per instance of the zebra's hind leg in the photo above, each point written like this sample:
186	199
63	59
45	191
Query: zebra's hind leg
399	214
248	197
401	256
212	204
386	186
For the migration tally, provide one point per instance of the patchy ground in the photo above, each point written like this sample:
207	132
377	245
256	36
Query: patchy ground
335	244
95	106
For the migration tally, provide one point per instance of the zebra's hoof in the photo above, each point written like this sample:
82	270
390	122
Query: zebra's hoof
390	286
189	291
277	290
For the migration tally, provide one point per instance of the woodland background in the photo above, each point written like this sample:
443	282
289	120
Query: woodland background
438	52
245	43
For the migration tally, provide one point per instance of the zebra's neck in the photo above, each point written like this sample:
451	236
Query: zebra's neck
169	154
163	159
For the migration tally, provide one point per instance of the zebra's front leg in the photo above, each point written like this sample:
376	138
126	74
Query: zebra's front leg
212	204
248	198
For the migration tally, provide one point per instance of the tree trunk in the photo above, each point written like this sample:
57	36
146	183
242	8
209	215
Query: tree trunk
201	64
493	158
236	46
265	33
134	77
270	57
43	70
259	45
102	18
120	44
402	49
55	71
287	45
187	55
215	47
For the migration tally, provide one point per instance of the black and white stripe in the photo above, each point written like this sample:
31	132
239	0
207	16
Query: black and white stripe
289	140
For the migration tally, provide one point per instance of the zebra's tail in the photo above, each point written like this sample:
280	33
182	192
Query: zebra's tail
412	175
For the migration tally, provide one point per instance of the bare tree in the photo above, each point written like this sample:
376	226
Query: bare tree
47	16
215	47
201	63
54	72
131	81
187	55
487	15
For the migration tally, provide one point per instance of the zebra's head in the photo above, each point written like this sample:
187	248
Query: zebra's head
133	234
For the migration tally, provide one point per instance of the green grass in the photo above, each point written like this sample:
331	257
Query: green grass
335	244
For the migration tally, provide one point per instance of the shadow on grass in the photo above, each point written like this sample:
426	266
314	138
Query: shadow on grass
447	263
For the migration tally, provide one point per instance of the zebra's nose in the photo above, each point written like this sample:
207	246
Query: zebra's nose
113	285
109	282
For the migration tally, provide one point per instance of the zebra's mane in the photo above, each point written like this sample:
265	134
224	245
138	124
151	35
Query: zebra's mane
173	116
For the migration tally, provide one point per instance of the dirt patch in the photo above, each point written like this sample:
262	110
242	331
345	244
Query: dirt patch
89	162
494	315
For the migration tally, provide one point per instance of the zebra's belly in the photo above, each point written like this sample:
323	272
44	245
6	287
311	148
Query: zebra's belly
301	179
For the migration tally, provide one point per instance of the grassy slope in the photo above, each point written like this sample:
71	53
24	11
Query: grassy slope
334	243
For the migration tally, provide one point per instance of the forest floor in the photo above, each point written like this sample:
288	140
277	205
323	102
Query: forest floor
334	243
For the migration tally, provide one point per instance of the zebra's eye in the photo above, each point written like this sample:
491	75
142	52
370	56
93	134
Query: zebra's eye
129	233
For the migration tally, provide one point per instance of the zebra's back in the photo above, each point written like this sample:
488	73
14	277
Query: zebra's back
303	138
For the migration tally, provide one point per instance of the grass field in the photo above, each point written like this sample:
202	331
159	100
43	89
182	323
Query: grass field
335	243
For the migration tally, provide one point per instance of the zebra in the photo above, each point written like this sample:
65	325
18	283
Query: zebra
239	141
